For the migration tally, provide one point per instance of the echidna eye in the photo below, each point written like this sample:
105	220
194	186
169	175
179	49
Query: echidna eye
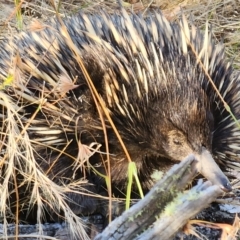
177	142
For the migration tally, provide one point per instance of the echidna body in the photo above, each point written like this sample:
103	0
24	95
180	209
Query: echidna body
157	93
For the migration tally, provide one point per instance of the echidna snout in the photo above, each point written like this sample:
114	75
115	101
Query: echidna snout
209	169
196	140
178	148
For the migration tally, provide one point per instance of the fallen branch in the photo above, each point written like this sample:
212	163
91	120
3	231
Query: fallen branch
165	209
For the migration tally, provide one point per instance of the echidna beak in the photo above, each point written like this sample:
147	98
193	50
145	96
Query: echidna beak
210	170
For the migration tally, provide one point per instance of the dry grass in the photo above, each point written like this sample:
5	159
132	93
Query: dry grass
17	148
19	157
223	16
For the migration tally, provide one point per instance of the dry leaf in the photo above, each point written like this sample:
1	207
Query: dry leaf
65	85
36	26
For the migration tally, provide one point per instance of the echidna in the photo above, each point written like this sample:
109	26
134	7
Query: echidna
148	73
